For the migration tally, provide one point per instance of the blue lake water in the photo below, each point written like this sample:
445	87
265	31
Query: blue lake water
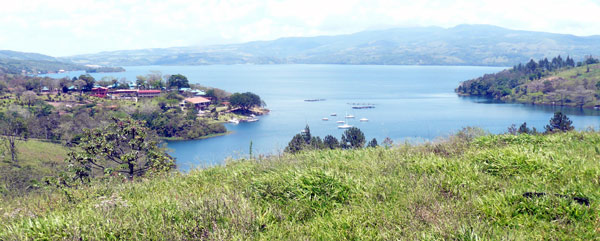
412	103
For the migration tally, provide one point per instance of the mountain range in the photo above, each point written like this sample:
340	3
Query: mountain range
461	45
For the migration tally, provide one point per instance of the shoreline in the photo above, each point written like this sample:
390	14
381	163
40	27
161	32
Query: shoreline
530	103
201	138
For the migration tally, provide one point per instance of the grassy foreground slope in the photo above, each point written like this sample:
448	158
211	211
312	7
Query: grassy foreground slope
36	159
462	188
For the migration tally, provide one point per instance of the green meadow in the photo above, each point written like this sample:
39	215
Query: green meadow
465	187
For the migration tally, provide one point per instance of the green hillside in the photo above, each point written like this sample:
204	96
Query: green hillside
37	159
541	83
496	187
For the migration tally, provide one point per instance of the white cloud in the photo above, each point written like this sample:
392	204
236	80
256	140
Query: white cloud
66	27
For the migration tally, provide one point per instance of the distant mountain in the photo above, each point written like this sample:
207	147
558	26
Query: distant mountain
14	62
460	45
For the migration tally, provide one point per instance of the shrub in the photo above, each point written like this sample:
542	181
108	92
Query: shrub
559	122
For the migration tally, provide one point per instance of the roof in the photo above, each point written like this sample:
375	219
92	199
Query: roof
149	91
125	91
197	100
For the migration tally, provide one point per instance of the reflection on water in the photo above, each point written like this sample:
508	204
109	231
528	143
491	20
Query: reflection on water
569	111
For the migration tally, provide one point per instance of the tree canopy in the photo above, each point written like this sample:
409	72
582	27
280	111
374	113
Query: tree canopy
559	122
124	146
178	81
353	138
245	101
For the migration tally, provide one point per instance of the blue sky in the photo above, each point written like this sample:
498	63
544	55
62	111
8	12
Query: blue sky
69	27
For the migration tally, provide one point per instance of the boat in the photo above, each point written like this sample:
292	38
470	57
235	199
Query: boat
313	100
344	126
325	119
333	114
234	121
363	120
339	122
363	107
349	116
250	119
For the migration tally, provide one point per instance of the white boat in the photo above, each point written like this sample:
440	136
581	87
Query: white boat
349	116
344	126
325	119
340	122
333	114
250	119
364	120
234	121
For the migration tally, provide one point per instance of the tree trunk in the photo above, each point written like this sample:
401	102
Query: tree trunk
13	148
131	167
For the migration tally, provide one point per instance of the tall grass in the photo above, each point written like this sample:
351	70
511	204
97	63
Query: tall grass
468	187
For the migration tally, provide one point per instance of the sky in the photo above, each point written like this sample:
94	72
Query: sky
70	27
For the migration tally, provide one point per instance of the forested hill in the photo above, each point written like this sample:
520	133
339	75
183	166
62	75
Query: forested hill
13	62
549	82
461	45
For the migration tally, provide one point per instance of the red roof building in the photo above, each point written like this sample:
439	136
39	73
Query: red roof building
99	92
199	102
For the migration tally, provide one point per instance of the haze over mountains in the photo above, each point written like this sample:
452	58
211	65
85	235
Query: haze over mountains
460	45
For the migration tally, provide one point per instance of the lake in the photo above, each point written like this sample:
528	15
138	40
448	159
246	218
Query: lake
412	103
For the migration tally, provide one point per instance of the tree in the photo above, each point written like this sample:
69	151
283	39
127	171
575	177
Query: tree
12	128
178	80
80	84
353	138
245	101
306	134
331	142
372	143
89	82
296	144
65	83
217	95
387	142
124	146
19	91
141	81
29	97
559	122
316	143
155	80
106	81
523	129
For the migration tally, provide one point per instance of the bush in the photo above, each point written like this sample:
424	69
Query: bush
559	122
353	138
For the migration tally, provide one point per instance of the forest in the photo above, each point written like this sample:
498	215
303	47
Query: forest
550	82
